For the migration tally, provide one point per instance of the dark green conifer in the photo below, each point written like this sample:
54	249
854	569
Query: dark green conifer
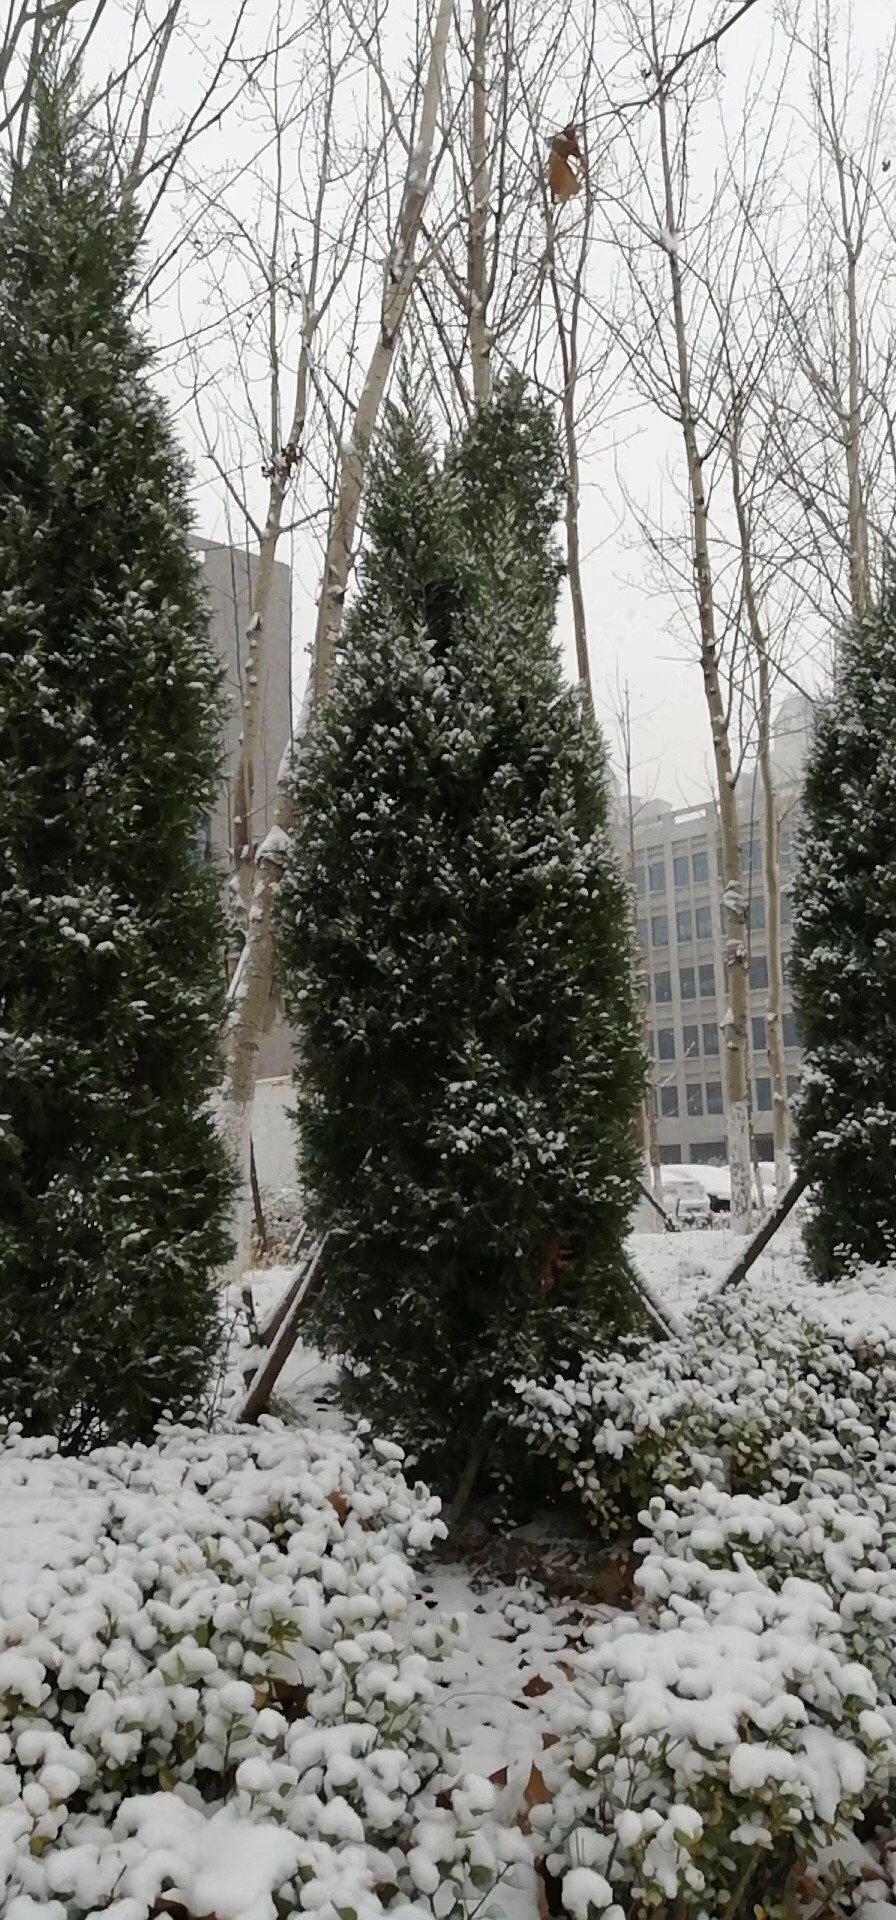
455	938
844	956
113	1188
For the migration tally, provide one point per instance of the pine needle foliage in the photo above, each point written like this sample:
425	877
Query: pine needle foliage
844	957
113	1188
457	952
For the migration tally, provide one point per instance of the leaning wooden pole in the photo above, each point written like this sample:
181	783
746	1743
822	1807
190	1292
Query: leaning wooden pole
261	1387
766	1232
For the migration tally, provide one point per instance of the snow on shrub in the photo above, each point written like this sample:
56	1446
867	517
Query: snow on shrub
710	1539
212	1688
712	1750
754	1396
717	1746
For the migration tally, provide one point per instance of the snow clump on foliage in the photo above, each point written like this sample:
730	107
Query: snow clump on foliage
213	1689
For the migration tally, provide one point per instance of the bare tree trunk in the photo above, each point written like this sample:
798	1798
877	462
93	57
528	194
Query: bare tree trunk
252	997
646	1117
251	1005
770	825
401	271
568	341
851	237
252	665
480	337
734	1026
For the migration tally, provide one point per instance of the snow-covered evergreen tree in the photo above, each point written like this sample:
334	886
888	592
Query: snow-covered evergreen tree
113	1189
456	945
844	956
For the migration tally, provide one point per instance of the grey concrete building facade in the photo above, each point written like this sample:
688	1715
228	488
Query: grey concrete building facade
228	575
678	890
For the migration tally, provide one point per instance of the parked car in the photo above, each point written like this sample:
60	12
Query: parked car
689	1203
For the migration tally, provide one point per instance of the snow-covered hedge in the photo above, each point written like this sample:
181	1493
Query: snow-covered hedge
212	1687
713	1752
754	1396
717	1745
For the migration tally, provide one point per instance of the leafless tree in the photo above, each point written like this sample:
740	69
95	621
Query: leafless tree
662	333
647	1113
253	984
830	270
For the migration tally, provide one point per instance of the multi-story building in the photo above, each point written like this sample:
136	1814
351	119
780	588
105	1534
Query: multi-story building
678	887
229	576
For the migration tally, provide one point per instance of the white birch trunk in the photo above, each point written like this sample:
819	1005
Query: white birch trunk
401	270
252	996
770	828
480	186
734	1054
252	666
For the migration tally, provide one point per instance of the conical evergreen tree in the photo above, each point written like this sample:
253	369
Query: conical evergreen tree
457	950
844	956
113	1189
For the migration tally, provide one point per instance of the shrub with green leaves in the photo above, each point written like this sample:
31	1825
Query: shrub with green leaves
755	1395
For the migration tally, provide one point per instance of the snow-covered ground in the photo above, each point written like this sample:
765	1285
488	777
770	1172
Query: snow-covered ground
146	1588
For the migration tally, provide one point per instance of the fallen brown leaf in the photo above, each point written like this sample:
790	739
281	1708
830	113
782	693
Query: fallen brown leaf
535	1687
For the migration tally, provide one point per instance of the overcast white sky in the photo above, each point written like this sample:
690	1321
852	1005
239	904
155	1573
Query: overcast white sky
635	633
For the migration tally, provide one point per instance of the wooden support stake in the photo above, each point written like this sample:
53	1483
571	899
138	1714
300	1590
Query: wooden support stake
670	1225
257	1208
272	1366
766	1232
269	1329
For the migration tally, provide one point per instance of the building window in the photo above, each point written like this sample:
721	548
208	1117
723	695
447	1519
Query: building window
793	1085
641	931
714	1096
758	1025
759	970
757	915
680	869
790	1030
765	1146
700	865
688	983
662	988
786	909
691	1039
650	1043
784	847
709	1153
640	882
711	1040
703	918
694	1097
707	980
763	1096
656	874
666	1043
752	857
670	1156
683	923
669	1103
659	930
